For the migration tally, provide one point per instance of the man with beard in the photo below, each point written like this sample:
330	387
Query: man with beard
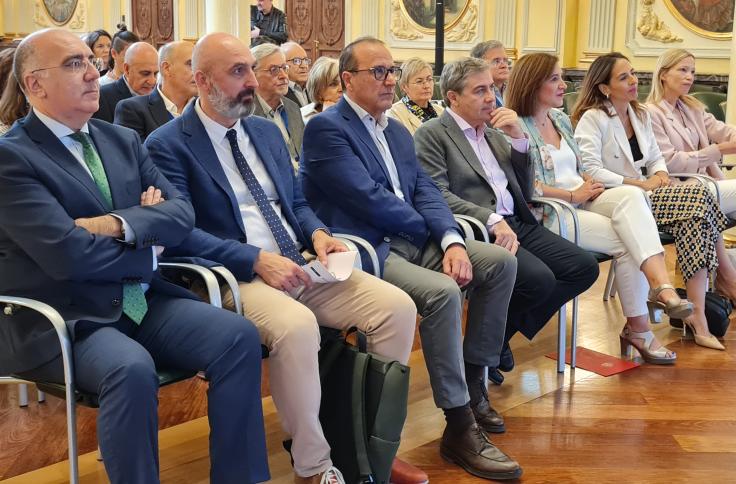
144	114
252	218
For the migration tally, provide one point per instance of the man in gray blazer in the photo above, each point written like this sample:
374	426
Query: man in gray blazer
273	83
482	175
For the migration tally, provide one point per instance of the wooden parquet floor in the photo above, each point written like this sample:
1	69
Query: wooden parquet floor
651	424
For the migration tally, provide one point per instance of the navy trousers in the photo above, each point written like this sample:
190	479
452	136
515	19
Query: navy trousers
118	362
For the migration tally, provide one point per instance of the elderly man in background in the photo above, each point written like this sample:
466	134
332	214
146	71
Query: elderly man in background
139	79
272	73
144	114
494	53
299	63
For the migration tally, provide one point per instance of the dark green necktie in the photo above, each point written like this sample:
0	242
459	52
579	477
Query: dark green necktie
134	301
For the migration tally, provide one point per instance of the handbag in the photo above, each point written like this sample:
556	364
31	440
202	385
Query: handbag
717	312
363	408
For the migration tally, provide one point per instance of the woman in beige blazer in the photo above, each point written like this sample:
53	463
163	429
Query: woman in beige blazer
416	106
691	139
614	133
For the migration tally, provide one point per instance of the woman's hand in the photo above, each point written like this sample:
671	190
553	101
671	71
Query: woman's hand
587	191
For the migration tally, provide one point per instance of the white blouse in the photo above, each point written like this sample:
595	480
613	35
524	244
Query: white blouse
565	165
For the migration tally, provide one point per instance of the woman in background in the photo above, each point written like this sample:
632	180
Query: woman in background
99	41
323	85
120	42
417	84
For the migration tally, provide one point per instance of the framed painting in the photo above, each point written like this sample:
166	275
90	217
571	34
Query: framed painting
709	18
60	11
422	13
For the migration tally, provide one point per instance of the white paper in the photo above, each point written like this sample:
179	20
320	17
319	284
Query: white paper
339	267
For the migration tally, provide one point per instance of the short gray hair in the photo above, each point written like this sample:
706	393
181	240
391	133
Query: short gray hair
410	68
479	50
21	59
455	74
324	70
264	50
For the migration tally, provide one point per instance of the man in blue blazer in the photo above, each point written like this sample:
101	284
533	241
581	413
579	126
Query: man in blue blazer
80	227
361	174
251	216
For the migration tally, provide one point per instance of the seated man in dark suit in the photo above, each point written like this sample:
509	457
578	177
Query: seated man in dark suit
481	175
77	233
251	217
299	63
273	83
139	79
146	113
361	174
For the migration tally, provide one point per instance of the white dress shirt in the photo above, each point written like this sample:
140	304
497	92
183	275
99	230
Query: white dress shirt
259	234
170	106
300	93
375	128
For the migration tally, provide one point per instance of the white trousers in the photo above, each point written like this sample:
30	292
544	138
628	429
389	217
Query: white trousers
620	223
727	188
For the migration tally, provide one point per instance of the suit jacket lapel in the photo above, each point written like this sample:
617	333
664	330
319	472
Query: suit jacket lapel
619	135
114	169
59	154
198	141
639	133
362	133
463	145
268	161
158	108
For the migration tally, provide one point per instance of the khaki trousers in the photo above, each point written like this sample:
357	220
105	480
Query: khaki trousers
289	328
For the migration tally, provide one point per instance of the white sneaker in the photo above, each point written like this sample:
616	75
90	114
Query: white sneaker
332	476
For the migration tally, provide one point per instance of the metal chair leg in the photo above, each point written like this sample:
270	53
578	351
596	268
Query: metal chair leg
610	290
561	338
41	396
23	394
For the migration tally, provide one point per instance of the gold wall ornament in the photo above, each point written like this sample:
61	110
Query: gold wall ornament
712	20
400	26
467	29
421	15
651	27
44	14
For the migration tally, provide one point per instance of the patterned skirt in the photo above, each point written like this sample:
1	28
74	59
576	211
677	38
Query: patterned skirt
690	213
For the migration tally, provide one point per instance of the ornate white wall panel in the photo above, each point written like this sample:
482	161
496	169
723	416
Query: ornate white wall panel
528	44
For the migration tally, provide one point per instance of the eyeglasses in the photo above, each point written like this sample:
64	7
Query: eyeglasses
75	65
300	60
381	73
423	82
274	70
498	60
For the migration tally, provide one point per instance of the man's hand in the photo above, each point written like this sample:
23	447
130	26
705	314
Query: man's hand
152	196
280	272
255	33
102	225
456	264
505	236
325	244
507	121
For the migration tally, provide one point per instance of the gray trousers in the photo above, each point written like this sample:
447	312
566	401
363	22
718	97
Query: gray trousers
439	301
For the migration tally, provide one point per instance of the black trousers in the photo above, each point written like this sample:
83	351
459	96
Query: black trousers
550	271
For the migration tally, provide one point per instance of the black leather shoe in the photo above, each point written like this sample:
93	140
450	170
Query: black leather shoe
487	417
506	363
471	450
495	376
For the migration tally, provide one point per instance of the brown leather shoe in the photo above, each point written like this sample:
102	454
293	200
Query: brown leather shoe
487	417
404	473
472	451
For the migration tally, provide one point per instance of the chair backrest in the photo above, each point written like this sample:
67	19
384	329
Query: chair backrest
568	101
723	108
712	101
569	86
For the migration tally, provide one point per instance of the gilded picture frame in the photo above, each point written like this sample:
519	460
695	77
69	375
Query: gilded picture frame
60	11
712	19
421	15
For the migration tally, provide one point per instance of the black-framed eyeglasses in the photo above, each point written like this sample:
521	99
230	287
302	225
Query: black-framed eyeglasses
274	70
301	60
380	73
74	66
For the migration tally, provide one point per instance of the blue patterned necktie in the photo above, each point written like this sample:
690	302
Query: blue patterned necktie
134	300
283	239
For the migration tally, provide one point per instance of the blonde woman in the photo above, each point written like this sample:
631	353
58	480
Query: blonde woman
416	106
323	85
691	139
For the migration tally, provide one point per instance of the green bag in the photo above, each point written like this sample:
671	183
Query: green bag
363	408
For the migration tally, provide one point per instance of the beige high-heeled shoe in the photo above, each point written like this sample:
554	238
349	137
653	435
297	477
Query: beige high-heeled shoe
660	356
673	309
709	341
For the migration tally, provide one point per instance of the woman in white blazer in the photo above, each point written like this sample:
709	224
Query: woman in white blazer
416	106
614	133
691	139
